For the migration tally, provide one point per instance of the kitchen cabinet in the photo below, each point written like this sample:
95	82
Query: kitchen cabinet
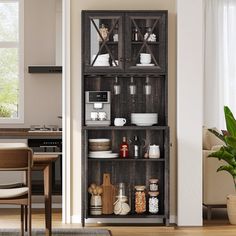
121	35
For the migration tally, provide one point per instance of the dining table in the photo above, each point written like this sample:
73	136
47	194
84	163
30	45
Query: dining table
44	163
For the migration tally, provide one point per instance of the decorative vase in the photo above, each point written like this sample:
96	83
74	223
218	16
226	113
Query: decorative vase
231	208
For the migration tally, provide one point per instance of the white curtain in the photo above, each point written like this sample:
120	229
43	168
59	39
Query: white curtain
220	61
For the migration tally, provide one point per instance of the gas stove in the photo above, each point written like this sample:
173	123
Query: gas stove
44	128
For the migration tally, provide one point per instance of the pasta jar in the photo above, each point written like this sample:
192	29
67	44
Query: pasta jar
140	199
153	202
153	185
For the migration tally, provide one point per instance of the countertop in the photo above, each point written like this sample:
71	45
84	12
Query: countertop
24	133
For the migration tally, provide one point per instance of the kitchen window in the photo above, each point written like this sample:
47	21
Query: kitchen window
11	61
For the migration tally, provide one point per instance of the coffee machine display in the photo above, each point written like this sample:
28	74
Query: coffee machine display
98	108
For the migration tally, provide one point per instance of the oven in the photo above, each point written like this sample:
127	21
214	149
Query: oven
47	146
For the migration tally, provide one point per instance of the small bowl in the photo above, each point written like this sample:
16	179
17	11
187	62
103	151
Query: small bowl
99	148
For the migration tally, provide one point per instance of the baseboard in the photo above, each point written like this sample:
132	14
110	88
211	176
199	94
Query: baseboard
173	219
76	219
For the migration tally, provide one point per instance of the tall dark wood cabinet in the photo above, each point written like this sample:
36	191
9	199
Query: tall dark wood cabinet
127	35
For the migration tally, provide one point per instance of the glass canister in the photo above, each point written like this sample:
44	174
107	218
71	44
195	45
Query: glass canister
140	199
153	185
153	202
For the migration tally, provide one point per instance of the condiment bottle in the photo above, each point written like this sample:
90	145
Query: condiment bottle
124	148
135	35
136	146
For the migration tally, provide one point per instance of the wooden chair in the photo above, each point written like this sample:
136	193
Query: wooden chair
18	159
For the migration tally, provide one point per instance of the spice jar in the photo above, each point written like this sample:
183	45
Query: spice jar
153	202
153	185
140	199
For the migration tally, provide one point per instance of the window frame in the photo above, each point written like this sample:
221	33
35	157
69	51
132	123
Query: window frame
20	46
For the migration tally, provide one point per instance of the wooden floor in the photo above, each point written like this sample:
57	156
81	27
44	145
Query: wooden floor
219	226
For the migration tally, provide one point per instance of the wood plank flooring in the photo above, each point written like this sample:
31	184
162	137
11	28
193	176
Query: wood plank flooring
10	218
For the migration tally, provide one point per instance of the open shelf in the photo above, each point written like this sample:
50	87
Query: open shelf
124	127
129	216
127	159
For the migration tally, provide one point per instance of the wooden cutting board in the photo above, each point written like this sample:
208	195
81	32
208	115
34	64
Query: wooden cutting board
107	195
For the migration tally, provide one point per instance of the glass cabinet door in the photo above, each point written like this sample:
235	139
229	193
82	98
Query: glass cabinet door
145	41
104	46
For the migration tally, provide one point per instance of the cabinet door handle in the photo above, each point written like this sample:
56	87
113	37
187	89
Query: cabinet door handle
121	59
128	60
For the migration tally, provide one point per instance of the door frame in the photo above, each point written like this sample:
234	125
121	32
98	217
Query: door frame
66	114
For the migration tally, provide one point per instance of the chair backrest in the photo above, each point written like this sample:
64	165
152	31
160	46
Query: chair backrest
19	158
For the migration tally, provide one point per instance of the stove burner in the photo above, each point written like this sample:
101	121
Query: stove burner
44	128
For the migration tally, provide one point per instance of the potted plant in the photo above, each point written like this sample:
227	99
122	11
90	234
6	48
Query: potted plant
228	153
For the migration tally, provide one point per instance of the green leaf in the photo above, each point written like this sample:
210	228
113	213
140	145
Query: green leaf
230	121
229	169
223	154
217	134
231	141
228	111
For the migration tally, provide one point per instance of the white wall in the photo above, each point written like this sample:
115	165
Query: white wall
43	93
76	34
189	110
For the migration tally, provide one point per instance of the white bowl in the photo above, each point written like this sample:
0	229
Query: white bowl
144	118
94	140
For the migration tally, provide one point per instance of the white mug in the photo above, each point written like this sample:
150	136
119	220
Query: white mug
102	115
94	115
154	151
119	121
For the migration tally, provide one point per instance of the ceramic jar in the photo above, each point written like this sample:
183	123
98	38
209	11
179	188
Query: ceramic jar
96	205
154	151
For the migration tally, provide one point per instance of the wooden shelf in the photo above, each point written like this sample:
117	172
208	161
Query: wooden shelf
125	127
148	42
127	159
129	216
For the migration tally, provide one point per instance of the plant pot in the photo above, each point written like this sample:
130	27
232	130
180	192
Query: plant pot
231	208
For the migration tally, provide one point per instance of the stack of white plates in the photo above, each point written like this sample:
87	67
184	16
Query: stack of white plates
102	60
144	119
103	154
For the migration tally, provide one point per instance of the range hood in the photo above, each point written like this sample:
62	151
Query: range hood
45	69
57	68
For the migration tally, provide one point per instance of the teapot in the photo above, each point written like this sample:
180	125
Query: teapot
154	151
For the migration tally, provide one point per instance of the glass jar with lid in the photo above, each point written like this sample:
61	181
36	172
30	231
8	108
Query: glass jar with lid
153	185
153	202
140	199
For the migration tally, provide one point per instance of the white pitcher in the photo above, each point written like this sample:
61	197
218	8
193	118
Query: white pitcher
154	151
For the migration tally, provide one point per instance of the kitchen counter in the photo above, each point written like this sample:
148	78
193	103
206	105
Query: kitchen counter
8	133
